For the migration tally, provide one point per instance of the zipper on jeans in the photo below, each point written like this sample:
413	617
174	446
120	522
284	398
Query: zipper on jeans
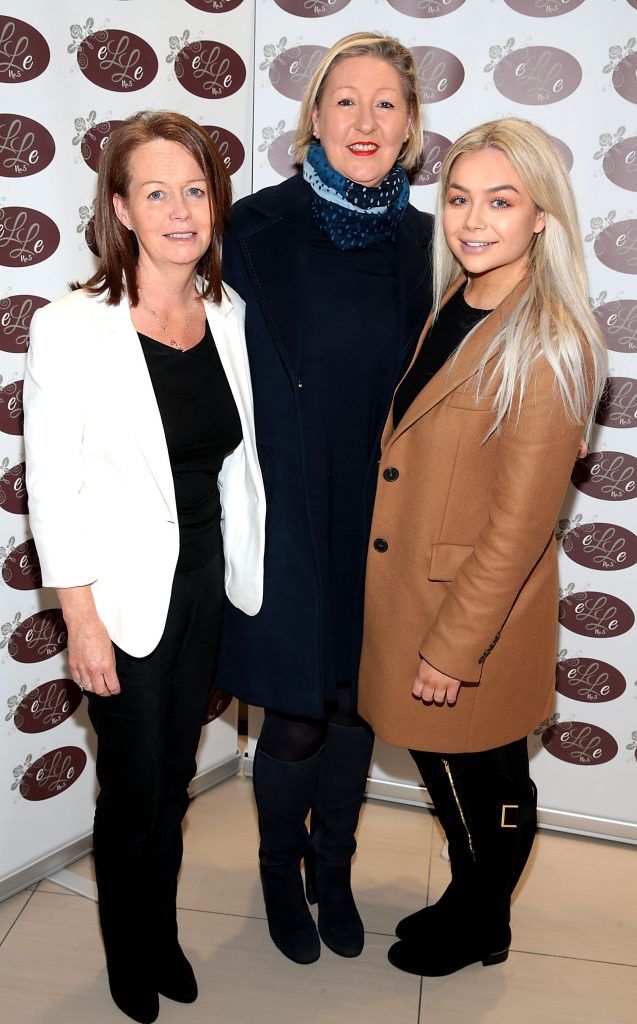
459	806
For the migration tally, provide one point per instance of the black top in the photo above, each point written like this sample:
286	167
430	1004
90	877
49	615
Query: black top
202	426
350	360
454	322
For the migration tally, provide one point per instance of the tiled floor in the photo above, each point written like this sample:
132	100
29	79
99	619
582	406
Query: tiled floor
574	955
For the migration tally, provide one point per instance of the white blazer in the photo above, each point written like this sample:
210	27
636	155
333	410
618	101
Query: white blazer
101	495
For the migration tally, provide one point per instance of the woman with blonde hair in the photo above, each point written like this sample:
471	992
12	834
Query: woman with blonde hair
461	599
334	266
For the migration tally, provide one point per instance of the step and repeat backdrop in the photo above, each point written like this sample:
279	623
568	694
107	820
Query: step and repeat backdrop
69	73
570	66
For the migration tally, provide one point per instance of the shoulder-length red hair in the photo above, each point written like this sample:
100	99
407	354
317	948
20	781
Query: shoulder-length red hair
118	249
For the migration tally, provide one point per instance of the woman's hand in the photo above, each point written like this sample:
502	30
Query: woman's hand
90	651
430	685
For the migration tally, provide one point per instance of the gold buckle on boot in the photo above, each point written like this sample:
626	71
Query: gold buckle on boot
503	821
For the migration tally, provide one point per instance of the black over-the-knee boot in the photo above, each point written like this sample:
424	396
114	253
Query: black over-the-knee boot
497	815
339	795
284	792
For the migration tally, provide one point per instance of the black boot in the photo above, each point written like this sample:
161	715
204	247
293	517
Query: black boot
341	788
284	792
499	829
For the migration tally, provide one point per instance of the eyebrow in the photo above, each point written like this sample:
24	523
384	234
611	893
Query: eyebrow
157	181
381	88
496	188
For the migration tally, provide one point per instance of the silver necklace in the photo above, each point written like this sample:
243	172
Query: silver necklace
164	326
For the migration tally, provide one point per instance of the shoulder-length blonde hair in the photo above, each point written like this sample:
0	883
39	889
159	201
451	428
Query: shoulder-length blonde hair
365	44
553	318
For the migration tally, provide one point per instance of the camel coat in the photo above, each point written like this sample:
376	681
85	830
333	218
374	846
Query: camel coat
462	562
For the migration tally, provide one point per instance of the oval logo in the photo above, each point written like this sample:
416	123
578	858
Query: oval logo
215	6
620	164
312	8
281	155
589	680
39	637
611	476
618	322
13	489
217	704
537	75
592	613
425	8
543	8
11	412
618	405
47	706
625	78
579	743
26	146
440	73
21	570
27	237
24	53
616	246
292	70
118	61
603	546
52	773
16	312
94	141
435	147
230	148
210	69
563	151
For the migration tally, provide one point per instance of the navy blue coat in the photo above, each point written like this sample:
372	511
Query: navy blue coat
276	658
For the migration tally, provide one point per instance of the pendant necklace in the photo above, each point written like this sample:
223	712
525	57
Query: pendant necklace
164	326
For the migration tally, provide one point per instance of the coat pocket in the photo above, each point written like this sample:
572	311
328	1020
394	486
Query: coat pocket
446	559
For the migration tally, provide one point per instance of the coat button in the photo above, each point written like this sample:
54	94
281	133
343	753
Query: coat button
391	474
380	544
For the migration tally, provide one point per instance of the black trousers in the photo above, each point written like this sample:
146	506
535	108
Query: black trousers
147	742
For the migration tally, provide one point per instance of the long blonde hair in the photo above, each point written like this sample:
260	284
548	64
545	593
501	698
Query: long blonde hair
553	318
365	44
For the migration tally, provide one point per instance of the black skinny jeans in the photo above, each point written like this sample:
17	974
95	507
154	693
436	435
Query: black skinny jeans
147	742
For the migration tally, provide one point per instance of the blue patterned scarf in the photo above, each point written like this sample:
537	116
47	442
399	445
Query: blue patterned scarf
354	216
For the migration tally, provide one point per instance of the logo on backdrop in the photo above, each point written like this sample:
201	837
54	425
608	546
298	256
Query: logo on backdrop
279	146
611	476
51	774
45	707
26	146
13	490
588	679
434	148
16	312
217	704
534	75
618	406
91	138
594	614
38	638
230	148
11	412
615	244
563	151
619	156
618	322
215	6
206	68
112	58
24	53
290	71
20	566
440	73
602	546
27	237
622	66
312	8
543	8
579	743
425	8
